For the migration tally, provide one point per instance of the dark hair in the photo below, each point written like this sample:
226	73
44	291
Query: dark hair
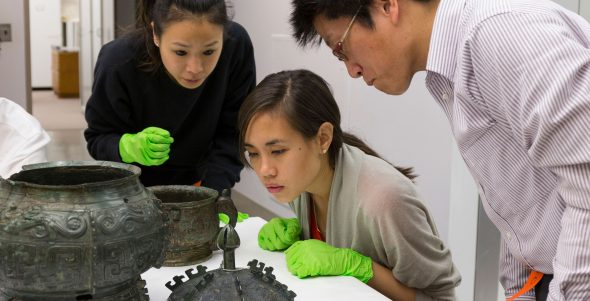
165	12
305	11
306	101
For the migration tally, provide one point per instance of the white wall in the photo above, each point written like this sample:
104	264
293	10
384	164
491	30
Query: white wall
70	10
15	81
572	5
45	24
86	58
97	27
585	9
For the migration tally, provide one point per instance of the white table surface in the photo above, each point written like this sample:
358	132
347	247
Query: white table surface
318	288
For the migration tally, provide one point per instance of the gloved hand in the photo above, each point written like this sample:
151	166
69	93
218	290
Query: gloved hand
313	257
279	233
149	147
225	219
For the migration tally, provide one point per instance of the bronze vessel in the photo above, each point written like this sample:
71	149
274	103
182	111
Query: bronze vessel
194	224
78	230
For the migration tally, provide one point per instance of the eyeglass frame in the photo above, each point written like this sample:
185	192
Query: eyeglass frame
337	50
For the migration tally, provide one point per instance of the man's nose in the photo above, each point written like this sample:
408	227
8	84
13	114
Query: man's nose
354	69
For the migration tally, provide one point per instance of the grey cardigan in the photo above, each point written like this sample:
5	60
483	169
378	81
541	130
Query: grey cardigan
374	209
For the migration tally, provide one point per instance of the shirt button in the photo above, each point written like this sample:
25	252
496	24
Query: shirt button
508	235
445	97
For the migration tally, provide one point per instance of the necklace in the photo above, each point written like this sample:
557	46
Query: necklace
314	216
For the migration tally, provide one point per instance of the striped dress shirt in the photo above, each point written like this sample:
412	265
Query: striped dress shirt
513	78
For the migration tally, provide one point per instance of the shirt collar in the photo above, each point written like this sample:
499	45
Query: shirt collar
444	41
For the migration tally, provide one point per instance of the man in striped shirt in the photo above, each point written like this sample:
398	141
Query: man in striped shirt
513	78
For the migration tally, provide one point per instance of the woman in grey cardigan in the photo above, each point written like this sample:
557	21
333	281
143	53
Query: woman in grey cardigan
357	214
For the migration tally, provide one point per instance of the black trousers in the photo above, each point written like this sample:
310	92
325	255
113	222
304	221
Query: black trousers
542	288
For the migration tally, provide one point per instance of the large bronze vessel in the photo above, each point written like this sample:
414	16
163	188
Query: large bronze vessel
78	231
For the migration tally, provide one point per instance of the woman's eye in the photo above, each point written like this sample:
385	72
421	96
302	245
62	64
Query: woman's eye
209	52
180	52
252	155
278	151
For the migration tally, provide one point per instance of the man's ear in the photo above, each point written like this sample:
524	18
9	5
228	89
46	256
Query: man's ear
325	136
389	8
154	36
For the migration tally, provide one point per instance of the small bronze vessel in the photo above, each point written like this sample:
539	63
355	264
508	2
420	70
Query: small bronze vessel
194	221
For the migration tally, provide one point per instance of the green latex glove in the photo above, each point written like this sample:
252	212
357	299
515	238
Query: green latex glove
316	258
149	147
225	219
279	233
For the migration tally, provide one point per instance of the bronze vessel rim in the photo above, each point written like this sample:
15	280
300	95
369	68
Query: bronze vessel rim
185	188
134	173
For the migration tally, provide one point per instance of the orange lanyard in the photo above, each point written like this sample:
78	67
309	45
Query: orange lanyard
534	278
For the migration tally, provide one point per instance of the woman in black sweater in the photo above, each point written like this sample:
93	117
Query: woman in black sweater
166	96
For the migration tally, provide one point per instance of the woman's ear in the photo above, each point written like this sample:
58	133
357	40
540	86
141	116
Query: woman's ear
325	135
154	36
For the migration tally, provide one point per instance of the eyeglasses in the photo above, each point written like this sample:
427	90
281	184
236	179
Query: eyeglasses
337	50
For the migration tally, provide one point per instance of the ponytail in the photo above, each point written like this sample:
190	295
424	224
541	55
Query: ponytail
353	140
150	60
143	14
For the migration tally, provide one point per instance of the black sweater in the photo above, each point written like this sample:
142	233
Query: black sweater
202	121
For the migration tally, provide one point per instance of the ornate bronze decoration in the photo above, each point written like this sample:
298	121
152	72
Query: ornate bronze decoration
78	230
229	283
194	221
